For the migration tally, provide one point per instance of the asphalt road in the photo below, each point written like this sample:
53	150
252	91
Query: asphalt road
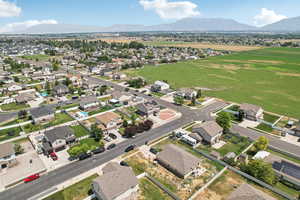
25	191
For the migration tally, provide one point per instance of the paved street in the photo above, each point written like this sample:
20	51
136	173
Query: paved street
25	191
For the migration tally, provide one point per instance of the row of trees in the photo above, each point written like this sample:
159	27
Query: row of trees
136	83
132	130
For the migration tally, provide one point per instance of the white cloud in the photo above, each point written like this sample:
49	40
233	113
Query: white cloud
267	17
9	9
20	26
171	10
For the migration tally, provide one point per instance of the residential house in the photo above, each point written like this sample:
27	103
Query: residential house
89	102
13	87
210	131
297	129
7	155
109	121
252	112
159	86
25	97
90	84
148	108
42	114
177	160
76	80
116	183
58	138
119	76
248	192
60	90
186	93
122	97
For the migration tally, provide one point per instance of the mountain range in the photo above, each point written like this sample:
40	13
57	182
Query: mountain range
188	24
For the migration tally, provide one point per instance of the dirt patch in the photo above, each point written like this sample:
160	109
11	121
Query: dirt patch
288	74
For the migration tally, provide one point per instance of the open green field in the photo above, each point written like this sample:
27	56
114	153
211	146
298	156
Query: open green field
39	57
267	77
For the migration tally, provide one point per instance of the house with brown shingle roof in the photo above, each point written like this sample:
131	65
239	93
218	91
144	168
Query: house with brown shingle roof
252	112
177	160
116	183
210	131
248	192
109	120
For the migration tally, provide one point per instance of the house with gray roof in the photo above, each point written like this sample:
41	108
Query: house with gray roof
60	90
7	155
116	183
248	192
177	160
148	108
89	102
42	114
252	112
58	138
210	131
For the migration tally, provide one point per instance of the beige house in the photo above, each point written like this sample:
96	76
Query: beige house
109	120
210	131
178	161
116	183
252	112
7	155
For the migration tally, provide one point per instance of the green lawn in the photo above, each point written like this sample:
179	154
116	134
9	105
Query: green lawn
39	57
266	77
80	131
32	128
151	192
270	118
69	106
77	191
288	189
13	106
103	109
60	118
15	132
265	127
284	156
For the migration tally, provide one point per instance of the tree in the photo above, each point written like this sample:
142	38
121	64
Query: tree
224	120
241	115
148	125
125	123
133	118
48	87
103	89
178	100
18	149
261	143
16	79
67	81
260	170
199	93
193	101
55	67
130	131
22	114
96	132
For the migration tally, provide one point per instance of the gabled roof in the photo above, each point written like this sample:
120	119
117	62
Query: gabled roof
115	181
88	100
41	111
63	132
248	192
178	159
250	108
211	128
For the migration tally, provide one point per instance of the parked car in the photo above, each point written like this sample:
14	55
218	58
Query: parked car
84	156
113	136
53	156
107	139
111	146
123	163
72	158
98	150
31	178
130	148
154	151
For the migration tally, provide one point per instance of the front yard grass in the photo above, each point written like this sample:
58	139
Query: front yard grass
80	131
284	156
28	128
14	106
77	191
149	191
265	127
10	133
60	118
103	109
270	118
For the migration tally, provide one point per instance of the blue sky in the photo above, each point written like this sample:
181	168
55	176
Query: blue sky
17	13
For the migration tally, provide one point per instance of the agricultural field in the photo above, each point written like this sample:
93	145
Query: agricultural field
203	45
266	77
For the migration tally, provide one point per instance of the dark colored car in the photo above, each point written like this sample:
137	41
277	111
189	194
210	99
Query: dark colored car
31	178
98	150
84	156
113	136
123	163
53	156
154	151
130	148
111	146
72	158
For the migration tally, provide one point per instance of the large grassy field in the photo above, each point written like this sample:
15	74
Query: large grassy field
267	77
